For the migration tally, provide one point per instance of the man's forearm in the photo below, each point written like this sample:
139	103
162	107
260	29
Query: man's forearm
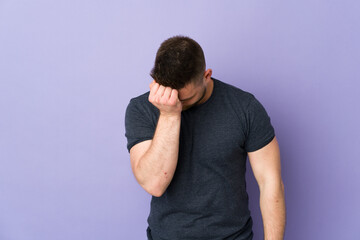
157	166
272	204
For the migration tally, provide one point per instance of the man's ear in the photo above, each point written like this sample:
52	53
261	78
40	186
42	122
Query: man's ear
208	74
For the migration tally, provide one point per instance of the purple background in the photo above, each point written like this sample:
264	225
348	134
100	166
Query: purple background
69	68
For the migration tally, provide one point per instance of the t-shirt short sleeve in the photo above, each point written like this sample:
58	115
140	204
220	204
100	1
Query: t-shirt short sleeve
138	127
259	130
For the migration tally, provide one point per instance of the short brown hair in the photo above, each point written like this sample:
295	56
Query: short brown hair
179	60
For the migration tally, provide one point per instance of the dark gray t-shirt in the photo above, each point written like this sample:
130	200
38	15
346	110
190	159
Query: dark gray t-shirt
207	197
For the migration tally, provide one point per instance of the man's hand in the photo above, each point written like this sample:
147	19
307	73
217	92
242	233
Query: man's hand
165	99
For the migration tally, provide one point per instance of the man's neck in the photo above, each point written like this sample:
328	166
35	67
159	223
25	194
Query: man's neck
209	90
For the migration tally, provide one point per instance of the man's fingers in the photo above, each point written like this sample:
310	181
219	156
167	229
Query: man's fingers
152	83
167	93
154	89
160	92
174	96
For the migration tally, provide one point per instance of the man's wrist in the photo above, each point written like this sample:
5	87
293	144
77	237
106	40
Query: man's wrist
171	116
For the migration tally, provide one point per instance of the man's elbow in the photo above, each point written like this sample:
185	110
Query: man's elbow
157	193
154	189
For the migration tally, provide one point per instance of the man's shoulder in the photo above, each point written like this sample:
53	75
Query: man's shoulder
233	91
142	102
141	98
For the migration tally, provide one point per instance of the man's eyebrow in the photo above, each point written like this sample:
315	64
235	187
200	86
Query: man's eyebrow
187	98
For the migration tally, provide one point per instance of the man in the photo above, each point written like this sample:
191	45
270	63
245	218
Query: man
188	139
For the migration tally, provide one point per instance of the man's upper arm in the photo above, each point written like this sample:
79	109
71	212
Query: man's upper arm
265	163
139	126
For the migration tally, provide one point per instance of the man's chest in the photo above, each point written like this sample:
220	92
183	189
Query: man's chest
214	137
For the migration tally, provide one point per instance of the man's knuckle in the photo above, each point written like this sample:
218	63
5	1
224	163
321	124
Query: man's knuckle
163	100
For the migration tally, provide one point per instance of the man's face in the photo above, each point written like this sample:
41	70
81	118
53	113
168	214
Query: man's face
191	95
